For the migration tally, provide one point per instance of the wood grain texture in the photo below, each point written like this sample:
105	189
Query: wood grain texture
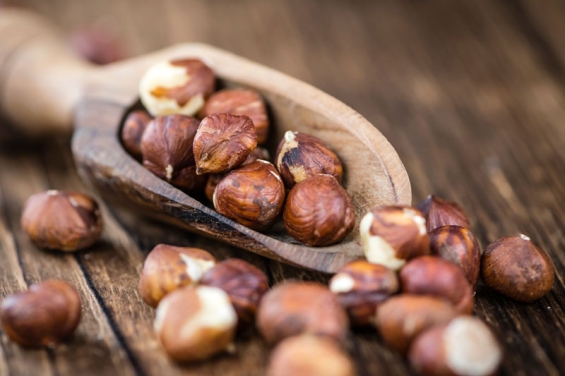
462	91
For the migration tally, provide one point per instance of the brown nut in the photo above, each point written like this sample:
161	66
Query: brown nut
176	87
300	156
244	283
194	323
429	275
391	235
44	315
309	355
240	102
133	129
223	142
517	268
401	318
360	287
168	268
166	146
63	220
458	245
99	42
465	346
318	211
301	307
252	195
439	212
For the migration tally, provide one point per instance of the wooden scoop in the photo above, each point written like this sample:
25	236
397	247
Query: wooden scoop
44	88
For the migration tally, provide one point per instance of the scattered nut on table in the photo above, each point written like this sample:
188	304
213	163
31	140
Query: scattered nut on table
439	212
132	131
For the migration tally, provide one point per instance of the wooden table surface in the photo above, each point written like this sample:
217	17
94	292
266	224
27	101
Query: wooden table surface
471	95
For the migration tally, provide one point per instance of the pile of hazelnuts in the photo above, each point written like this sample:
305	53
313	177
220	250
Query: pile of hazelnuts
200	140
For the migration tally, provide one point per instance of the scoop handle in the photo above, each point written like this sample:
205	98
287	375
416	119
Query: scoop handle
41	81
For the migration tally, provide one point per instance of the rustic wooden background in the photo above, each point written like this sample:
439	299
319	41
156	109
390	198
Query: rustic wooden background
471	94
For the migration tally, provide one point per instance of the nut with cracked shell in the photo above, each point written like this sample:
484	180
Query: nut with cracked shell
439	212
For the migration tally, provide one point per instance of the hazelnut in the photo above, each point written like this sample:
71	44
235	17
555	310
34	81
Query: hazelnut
517	268
252	195
244	283
458	245
294	308
309	355
99	42
300	156
194	323
440	212
133	129
240	102
63	220
465	346
401	318
360	287
391	235
223	142
176	87
318	211
44	315
166	146
428	275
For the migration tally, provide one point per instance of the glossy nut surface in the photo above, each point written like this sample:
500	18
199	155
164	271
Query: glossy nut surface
223	142
44	315
360	287
429	275
458	245
168	268
240	102
252	195
294	308
318	211
195	323
517	268
300	156
439	212
244	283
309	355
401	318
391	235
62	220
132	131
176	87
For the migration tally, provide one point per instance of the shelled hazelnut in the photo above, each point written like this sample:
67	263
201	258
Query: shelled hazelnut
391	235
223	142
252	195
439	212
176	87
44	315
168	268
517	268
465	346
310	355
244	283
458	245
133	129
300	156
240	102
63	220
360	287
429	275
294	308
194	323
318	211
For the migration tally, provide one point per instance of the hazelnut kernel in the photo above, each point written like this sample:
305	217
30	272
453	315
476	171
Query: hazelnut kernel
391	235
133	129
439	212
300	156
176	87
318	211
168	268
44	315
294	308
517	268
360	287
194	323
63	220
